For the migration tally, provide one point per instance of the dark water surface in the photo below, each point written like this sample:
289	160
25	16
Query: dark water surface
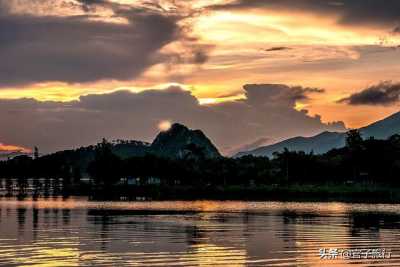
76	232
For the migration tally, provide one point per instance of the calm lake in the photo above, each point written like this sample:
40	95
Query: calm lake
77	232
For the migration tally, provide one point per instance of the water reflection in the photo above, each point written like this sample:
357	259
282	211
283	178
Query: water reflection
72	232
21	217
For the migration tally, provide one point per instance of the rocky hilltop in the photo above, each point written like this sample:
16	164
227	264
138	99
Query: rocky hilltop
181	142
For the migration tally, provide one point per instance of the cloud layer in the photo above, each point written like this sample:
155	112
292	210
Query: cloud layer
348	12
79	50
267	112
384	93
86	45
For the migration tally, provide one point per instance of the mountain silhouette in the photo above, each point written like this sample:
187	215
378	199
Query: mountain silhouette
326	141
181	142
383	129
176	143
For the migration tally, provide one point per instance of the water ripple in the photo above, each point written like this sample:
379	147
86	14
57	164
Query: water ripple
75	232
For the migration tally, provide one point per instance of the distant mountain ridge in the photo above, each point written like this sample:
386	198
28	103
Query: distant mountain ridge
383	129
325	141
318	144
10	155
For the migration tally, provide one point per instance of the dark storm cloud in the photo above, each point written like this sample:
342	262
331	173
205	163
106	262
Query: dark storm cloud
277	48
385	93
268	112
87	5
349	11
91	5
76	49
301	93
191	53
279	92
85	48
93	2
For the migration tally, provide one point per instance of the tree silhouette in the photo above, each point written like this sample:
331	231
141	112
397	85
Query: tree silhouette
355	144
365	161
105	168
354	139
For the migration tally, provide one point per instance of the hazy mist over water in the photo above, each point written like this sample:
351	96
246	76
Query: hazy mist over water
76	232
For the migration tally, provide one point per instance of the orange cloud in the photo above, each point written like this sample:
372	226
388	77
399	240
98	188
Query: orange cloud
12	148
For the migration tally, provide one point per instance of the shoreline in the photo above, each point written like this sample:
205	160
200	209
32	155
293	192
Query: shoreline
357	193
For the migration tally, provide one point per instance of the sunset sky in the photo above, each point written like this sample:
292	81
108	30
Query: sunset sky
247	72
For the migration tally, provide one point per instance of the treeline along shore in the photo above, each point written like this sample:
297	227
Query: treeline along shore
363	170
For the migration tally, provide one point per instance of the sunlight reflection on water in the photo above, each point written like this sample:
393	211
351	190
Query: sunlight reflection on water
76	232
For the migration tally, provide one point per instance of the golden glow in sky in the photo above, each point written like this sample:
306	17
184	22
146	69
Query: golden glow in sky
252	46
12	148
164	125
211	48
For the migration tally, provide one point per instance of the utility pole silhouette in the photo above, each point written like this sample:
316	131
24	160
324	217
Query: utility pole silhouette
35	152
